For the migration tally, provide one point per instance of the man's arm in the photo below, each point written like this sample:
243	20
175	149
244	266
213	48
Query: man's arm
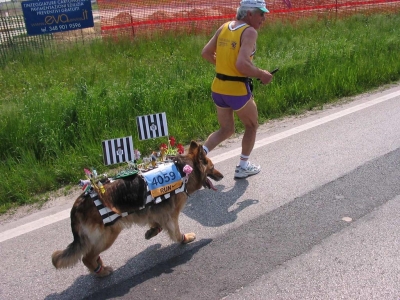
244	63
208	52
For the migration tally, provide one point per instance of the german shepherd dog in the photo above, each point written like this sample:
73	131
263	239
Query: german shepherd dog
92	237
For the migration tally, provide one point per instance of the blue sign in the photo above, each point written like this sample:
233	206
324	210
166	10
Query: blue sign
49	16
162	176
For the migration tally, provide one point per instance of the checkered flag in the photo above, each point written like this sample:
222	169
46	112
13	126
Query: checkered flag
119	150
152	126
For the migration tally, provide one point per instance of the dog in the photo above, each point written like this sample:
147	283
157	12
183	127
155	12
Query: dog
92	237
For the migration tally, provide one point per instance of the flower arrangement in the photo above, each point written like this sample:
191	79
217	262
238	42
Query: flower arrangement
171	149
139	163
164	153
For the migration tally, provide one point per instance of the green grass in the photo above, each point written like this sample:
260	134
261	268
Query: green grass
57	107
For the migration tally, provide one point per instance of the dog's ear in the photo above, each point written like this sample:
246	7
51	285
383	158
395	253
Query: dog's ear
198	153
193	148
202	154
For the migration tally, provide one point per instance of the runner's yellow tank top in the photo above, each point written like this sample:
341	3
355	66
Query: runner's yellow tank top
228	45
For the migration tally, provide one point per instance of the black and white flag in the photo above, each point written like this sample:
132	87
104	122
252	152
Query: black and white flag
118	150
152	126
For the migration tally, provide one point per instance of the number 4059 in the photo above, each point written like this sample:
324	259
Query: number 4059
165	178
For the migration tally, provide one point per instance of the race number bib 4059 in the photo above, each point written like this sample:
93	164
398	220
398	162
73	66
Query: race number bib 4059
162	180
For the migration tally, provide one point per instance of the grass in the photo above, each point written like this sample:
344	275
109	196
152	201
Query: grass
57	107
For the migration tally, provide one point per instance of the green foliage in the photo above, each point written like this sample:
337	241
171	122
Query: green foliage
56	109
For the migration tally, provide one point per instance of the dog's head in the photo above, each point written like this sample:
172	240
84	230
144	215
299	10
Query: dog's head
203	168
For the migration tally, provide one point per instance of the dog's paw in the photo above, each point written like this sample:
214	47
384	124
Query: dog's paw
152	232
188	238
106	271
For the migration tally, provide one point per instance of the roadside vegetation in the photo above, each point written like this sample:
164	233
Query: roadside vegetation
56	108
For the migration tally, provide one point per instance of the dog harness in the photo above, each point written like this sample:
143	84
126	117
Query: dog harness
110	217
161	183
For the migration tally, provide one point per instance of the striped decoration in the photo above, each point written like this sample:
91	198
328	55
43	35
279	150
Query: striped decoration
118	150
152	126
109	217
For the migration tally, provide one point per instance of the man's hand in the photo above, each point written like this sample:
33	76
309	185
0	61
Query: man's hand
265	77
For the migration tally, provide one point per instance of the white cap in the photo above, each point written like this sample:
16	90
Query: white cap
260	4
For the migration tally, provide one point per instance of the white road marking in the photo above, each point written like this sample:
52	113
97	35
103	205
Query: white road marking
9	234
304	127
28	227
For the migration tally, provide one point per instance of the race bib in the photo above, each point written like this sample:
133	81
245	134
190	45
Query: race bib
164	179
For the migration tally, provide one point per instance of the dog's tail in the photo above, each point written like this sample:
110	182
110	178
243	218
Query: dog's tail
68	257
73	253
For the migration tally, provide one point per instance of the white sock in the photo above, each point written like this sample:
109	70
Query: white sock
244	161
205	149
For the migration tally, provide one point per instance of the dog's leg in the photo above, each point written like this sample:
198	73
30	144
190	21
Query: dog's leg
92	259
176	234
95	265
172	225
155	229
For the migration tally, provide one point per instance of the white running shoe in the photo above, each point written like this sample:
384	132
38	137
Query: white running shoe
251	169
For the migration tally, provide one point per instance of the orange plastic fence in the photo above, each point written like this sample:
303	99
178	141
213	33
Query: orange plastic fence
146	17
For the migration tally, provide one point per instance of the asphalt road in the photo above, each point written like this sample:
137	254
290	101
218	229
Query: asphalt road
321	221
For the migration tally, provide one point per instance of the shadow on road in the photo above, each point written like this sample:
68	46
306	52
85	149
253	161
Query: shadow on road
157	261
214	209
208	207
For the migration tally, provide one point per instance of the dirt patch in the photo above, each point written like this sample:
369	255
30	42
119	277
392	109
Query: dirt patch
58	198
